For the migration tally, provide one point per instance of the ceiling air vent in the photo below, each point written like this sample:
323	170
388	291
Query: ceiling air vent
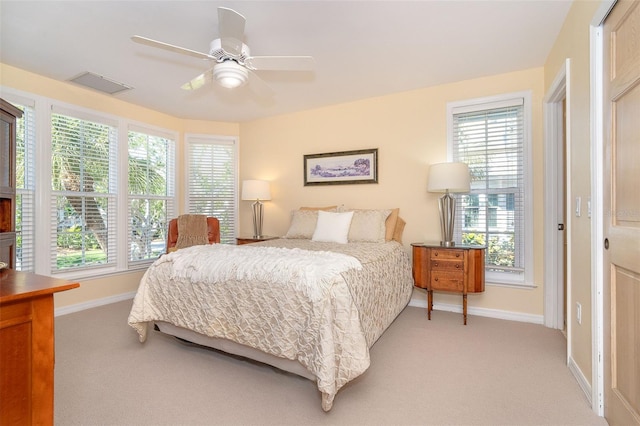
99	83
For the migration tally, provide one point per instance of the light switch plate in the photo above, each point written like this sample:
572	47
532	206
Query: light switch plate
578	206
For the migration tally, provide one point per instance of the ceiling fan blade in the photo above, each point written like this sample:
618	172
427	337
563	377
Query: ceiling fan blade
231	27
281	63
199	81
259	87
171	47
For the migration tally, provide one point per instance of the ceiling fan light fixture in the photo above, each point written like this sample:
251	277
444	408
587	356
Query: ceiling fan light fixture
230	74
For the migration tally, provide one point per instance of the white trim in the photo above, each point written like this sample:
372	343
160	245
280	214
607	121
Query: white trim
597	199
525	280
581	379
602	12
481	312
554	302
70	309
597	214
151	130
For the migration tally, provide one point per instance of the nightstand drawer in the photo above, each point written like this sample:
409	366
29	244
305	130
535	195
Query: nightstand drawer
447	281
447	254
447	265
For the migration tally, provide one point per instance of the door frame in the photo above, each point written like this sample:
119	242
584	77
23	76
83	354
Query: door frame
555	131
598	213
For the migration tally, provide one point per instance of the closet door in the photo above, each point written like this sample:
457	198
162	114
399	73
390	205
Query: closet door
622	213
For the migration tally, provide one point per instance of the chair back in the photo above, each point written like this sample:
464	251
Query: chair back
213	232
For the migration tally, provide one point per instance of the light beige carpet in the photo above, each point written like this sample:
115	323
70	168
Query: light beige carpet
437	372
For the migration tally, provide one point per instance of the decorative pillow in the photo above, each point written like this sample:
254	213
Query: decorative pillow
390	224
327	209
397	233
368	226
303	223
332	227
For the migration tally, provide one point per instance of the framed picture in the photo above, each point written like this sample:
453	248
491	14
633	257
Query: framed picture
341	168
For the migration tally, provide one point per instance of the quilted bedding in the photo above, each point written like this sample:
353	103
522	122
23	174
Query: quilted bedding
321	304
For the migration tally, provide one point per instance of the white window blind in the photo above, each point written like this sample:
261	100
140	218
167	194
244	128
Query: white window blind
212	177
83	191
25	187
491	138
151	189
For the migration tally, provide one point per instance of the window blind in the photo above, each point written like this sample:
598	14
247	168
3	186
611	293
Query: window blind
212	177
490	139
83	192
151	189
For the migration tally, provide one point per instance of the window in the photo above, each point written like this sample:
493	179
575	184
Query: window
491	136
25	186
151	193
83	192
212	177
98	188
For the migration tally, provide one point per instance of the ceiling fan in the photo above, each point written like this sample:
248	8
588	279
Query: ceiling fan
234	65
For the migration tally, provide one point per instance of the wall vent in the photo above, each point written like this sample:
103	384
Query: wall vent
99	83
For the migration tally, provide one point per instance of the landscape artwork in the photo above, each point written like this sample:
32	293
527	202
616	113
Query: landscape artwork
341	168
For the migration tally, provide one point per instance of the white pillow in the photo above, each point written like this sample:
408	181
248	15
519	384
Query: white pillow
332	227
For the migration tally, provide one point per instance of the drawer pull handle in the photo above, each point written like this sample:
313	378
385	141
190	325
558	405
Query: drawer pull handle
435	279
435	264
457	266
457	254
435	253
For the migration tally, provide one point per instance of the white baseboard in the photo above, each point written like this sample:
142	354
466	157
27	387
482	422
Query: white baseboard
94	303
481	312
581	379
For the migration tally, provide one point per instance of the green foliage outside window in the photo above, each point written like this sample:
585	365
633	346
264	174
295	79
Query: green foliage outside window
500	249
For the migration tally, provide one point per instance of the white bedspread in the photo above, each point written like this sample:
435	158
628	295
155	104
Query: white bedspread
321	308
307	271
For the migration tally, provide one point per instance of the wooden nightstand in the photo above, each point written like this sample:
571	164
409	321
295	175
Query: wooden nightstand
249	240
457	269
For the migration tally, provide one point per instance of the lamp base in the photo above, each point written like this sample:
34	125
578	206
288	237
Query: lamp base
447	206
258	214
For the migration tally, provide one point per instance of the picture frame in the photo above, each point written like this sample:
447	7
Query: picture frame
341	168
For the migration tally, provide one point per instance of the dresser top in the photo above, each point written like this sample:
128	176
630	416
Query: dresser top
17	285
436	244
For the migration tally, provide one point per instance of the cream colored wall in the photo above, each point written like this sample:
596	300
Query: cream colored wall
409	130
17	79
573	43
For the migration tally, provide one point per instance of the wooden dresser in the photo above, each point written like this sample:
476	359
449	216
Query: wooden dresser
27	346
457	269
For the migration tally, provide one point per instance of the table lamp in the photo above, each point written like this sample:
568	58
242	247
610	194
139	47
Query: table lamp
256	190
449	178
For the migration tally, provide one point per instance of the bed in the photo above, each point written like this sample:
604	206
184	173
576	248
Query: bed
310	306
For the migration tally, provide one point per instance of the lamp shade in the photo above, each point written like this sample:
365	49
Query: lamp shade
256	190
449	177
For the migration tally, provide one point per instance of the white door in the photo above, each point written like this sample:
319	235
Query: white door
621	172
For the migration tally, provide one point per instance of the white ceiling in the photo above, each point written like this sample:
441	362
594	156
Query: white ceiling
362	49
